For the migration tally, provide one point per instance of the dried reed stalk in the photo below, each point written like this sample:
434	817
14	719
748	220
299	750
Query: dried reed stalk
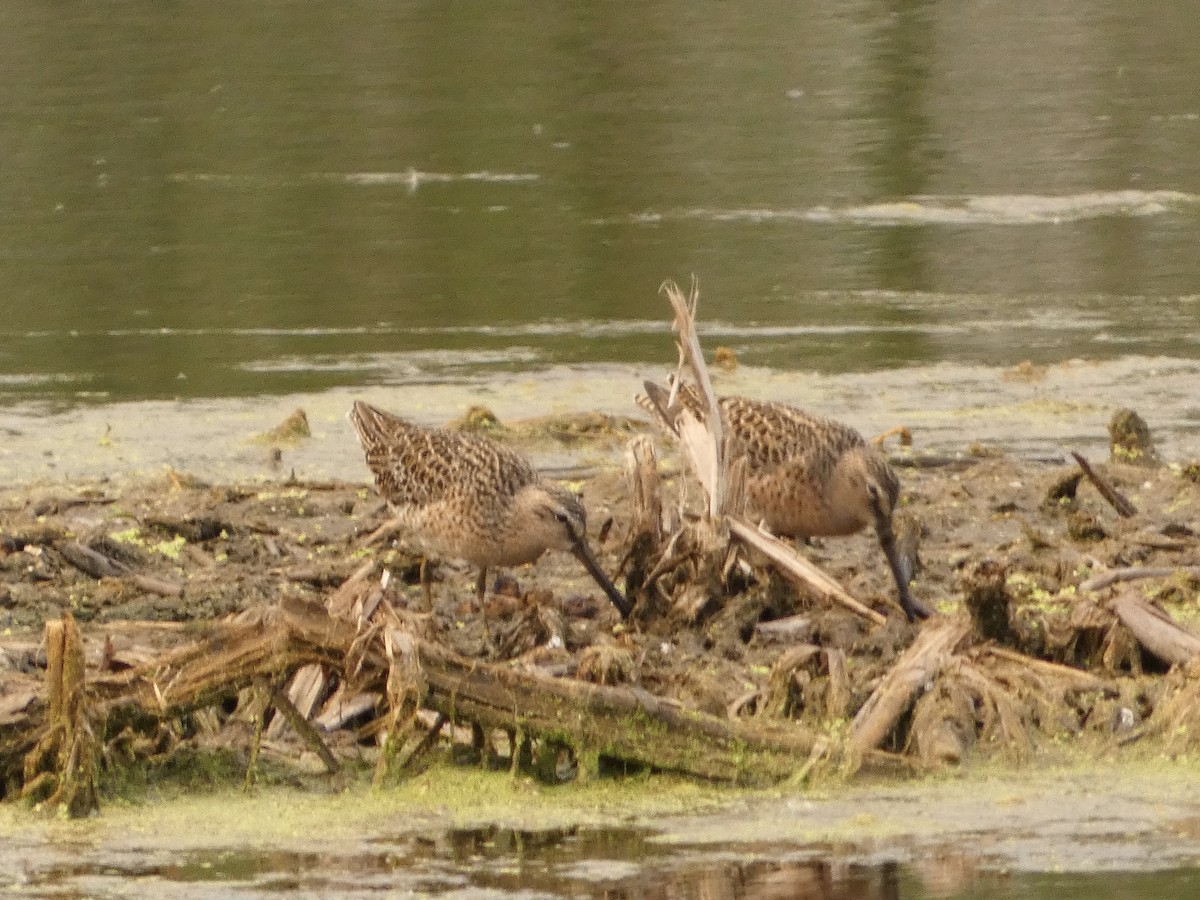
705	441
705	446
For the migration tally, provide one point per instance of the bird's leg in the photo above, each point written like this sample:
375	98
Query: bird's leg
426	590
480	593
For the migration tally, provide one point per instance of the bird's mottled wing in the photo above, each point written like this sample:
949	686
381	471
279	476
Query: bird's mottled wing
771	434
416	466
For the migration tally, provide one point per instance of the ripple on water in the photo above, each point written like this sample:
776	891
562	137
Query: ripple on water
998	209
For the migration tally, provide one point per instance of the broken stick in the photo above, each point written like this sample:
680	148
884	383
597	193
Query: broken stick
1119	502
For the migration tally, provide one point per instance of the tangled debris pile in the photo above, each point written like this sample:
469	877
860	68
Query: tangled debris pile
183	616
728	670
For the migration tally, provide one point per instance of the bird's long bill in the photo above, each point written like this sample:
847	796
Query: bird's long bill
583	553
901	571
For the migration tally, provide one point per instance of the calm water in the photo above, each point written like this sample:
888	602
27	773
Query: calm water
606	864
233	198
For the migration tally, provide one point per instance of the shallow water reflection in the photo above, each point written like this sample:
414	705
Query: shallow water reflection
613	864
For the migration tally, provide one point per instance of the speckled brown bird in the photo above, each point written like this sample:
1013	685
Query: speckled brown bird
806	475
465	496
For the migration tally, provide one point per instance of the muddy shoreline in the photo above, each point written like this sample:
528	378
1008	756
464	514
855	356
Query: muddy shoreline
1025	410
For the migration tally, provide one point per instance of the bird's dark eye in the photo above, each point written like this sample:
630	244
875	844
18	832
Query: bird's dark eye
562	517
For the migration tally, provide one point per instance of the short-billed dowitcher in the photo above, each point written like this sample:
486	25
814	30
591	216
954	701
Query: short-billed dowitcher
465	496
806	475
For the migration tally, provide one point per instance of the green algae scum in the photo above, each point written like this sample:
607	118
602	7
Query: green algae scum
465	833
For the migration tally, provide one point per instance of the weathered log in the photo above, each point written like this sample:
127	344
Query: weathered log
300	724
626	724
340	709
919	665
837	695
1155	630
92	562
305	692
405	689
232	656
419	746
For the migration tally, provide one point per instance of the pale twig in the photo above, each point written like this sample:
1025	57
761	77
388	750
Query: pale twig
713	456
791	563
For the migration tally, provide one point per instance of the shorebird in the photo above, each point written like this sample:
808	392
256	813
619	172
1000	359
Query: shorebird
806	475
465	496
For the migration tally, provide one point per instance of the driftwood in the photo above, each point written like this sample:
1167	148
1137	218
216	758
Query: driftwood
1155	630
1077	678
92	562
919	665
646	489
1116	499
234	655
627	725
152	584
762	700
310	735
1134	573
304	693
